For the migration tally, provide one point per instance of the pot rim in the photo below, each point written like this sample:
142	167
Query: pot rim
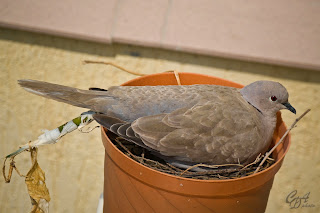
181	75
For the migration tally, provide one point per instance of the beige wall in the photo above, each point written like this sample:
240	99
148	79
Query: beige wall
74	167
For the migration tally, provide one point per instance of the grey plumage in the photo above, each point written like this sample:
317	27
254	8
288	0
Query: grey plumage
197	123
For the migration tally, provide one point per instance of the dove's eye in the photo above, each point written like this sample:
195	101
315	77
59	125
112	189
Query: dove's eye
273	98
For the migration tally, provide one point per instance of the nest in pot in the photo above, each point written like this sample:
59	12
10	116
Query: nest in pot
213	172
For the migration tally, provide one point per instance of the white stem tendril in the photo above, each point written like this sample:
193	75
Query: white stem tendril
52	136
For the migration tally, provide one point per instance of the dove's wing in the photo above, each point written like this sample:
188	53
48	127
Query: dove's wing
224	130
209	132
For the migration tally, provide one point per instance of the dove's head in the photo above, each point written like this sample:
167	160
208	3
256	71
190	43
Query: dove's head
267	96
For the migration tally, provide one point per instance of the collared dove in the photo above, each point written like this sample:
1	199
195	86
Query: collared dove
184	124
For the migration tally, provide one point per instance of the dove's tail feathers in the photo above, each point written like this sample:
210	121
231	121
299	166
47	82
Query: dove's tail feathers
107	121
120	128
115	125
69	95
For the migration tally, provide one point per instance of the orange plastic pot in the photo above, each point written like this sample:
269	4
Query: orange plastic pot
132	187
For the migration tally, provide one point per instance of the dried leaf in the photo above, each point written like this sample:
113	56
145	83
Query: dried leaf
37	189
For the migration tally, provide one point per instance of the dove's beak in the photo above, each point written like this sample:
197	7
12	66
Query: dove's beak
289	107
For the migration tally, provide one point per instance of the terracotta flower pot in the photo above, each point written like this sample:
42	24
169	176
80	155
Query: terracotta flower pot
132	187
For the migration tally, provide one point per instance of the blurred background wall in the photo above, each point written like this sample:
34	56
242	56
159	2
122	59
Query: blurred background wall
74	166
